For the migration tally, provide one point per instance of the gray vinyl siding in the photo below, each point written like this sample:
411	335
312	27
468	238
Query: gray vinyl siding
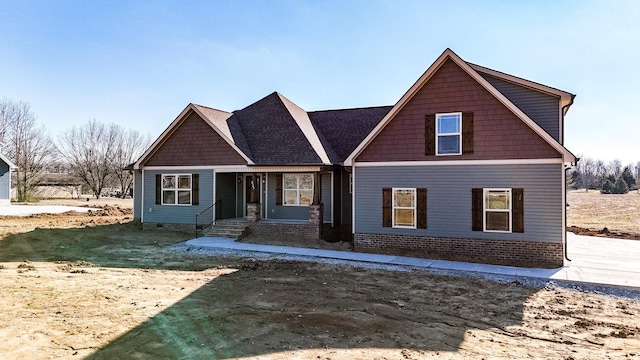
5	186
542	108
449	198
274	211
176	214
137	195
226	194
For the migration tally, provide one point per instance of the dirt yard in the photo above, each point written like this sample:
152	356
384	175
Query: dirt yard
96	286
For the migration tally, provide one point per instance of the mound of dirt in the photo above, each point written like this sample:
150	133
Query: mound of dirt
111	211
604	232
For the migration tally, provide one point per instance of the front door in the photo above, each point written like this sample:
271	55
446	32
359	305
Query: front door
252	190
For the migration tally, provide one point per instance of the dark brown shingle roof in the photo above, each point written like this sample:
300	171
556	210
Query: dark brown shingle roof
268	133
342	130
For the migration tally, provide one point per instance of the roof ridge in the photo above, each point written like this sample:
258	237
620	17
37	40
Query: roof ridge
301	117
210	108
511	78
355	108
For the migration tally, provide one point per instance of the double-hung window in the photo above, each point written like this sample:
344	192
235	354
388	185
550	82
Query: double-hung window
449	134
497	210
404	208
176	189
297	189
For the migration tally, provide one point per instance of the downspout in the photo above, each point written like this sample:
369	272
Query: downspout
563	111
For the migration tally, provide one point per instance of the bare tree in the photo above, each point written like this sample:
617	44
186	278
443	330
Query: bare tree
88	150
130	146
585	172
28	145
600	174
615	168
7	114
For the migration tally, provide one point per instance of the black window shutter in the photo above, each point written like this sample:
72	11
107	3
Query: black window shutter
430	135
278	189
518	210
476	209
386	207
195	189
158	189
467	133
422	208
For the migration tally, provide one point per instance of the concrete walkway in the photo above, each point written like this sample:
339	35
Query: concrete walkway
595	261
27	210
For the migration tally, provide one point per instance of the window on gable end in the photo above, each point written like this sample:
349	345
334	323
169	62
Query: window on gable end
448	134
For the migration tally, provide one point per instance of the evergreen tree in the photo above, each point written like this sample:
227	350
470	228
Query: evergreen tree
620	187
607	187
627	176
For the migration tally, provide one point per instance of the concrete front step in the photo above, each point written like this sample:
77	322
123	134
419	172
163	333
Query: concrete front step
226	229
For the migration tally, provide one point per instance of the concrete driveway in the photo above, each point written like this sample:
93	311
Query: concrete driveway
603	260
26	210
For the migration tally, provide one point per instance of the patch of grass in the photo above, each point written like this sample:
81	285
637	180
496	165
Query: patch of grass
115	245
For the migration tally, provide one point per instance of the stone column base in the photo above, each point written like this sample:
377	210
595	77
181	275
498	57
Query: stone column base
253	212
316	217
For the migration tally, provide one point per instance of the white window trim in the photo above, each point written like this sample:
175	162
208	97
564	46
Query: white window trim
176	189
484	210
297	189
394	207
449	134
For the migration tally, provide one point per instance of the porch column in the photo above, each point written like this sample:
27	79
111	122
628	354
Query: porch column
253	206
316	216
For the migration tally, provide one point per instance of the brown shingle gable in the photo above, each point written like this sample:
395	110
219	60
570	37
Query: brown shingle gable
449	56
193	142
498	132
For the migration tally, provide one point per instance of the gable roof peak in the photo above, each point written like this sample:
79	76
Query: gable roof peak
448	54
216	119
8	162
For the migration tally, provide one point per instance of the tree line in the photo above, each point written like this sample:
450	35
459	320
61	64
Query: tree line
609	178
96	153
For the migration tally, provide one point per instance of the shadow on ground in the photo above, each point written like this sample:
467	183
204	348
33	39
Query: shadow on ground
273	306
270	306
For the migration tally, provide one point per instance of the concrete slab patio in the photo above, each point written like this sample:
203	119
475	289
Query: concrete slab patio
594	260
27	210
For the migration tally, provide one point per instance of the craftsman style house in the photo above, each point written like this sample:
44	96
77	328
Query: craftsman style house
468	165
5	180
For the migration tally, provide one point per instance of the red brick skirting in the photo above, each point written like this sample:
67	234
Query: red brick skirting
500	252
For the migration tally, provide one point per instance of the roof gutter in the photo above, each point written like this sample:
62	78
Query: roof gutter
563	112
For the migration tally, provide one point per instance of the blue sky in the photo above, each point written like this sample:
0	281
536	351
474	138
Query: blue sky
139	63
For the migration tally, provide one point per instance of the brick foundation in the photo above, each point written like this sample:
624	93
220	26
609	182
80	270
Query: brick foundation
499	252
304	231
